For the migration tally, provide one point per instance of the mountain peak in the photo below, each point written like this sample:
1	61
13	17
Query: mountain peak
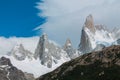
89	23
45	36
20	53
68	43
72	53
48	52
18	46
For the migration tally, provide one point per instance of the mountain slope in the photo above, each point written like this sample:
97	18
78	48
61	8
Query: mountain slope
9	72
100	65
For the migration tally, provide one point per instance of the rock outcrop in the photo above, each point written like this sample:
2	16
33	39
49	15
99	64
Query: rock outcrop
9	72
29	76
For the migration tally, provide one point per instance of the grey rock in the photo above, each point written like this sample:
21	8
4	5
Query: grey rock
29	76
89	23
48	52
9	72
85	45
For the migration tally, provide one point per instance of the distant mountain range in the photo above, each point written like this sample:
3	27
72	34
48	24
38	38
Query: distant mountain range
48	55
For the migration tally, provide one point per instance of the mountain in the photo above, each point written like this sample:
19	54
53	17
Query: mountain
47	57
49	53
9	72
118	41
72	53
100	65
93	35
20	53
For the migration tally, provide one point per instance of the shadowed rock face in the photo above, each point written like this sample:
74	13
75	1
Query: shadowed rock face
85	44
9	72
100	65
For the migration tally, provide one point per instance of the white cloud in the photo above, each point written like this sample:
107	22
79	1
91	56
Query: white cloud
66	17
6	44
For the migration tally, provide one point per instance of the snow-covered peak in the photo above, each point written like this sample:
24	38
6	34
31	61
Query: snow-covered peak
19	53
18	47
49	53
92	35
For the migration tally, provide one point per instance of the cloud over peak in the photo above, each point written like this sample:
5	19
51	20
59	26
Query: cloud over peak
66	17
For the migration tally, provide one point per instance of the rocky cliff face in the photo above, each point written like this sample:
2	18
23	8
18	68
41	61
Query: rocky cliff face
89	23
9	72
87	42
93	35
100	65
49	53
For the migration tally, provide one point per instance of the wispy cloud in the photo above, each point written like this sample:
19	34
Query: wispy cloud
66	17
6	44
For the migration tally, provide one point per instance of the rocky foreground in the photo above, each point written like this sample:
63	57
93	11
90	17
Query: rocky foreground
9	72
100	65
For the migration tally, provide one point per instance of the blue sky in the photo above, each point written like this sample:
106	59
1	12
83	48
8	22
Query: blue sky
19	18
65	18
